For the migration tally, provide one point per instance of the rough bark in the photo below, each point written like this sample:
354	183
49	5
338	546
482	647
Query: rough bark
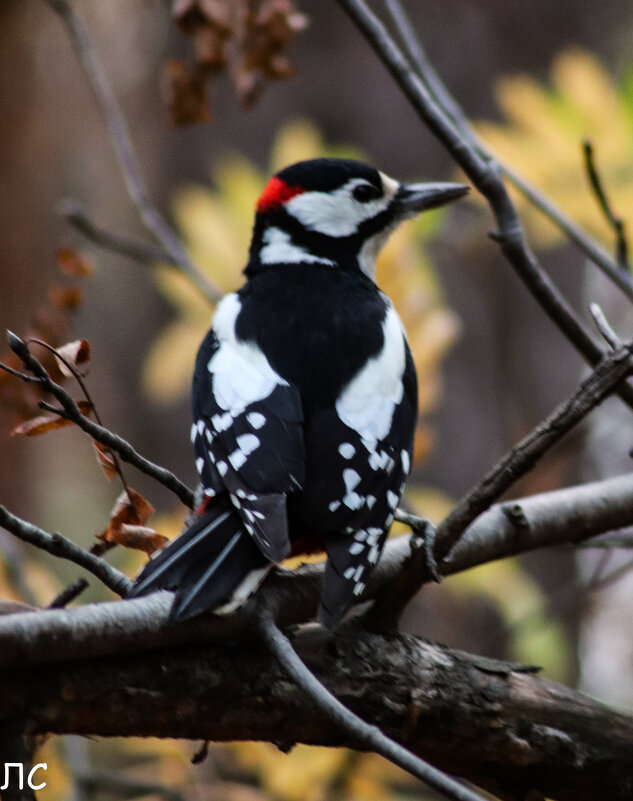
494	723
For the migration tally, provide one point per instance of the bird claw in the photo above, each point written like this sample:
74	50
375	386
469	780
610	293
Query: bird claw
424	537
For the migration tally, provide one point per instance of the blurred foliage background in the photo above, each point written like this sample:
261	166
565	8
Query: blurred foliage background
537	81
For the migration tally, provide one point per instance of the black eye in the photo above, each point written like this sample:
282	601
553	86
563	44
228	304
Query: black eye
363	193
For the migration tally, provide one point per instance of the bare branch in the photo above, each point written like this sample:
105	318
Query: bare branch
124	149
60	546
484	173
82	384
139	251
427	73
71	411
616	222
69	594
512	466
520	459
602	324
587	244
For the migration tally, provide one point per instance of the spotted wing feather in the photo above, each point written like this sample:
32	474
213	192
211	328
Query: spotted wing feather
363	493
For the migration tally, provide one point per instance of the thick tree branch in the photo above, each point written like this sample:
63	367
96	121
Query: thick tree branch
58	545
124	149
71	411
485	175
554	518
502	728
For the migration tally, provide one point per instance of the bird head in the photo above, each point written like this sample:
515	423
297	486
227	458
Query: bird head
336	212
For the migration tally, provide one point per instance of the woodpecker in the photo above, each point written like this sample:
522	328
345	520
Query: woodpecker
304	396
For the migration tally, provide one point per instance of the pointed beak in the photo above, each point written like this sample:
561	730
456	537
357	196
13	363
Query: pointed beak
414	198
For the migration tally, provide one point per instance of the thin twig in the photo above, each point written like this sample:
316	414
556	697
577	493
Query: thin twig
69	594
29	379
124	149
70	411
518	461
587	244
361	732
513	465
427	73
84	388
603	326
139	251
58	545
614	221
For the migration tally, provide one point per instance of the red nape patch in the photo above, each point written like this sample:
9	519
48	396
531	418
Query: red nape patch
276	193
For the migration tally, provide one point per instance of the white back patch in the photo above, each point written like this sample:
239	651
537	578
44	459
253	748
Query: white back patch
368	402
240	372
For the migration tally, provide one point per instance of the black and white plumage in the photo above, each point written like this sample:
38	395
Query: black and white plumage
304	396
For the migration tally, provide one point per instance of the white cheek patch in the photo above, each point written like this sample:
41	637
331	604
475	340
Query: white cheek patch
368	402
337	213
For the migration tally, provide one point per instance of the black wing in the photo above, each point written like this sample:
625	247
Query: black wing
248	437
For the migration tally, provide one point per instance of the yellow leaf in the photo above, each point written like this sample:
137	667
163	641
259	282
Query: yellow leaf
542	139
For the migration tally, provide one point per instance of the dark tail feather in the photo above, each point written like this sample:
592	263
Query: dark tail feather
204	565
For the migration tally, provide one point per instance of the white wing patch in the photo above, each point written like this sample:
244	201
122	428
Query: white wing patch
368	402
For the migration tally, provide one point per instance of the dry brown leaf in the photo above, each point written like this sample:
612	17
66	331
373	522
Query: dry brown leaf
74	263
258	31
140	538
43	423
67	298
74	353
127	524
131	507
269	30
193	14
186	94
107	463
